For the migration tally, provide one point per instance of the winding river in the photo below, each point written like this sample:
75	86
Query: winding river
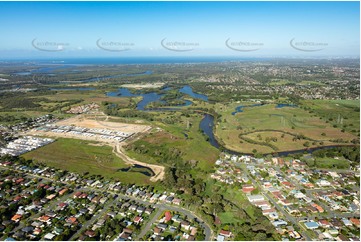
207	124
156	97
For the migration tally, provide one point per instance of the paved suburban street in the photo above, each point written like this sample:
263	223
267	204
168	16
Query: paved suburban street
279	208
148	225
161	206
92	220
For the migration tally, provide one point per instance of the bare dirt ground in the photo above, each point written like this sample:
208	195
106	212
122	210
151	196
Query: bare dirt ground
144	85
158	170
81	121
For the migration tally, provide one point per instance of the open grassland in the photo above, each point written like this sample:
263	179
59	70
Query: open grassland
287	128
58	102
88	97
345	114
239	199
279	82
83	156
172	139
311	83
278	139
330	163
13	117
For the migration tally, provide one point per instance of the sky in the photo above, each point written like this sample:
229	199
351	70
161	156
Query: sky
120	29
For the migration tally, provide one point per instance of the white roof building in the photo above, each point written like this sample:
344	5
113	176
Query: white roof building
255	198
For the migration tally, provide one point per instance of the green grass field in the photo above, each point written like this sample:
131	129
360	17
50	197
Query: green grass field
332	163
279	82
84	156
227	217
311	83
96	96
195	147
267	121
238	198
343	113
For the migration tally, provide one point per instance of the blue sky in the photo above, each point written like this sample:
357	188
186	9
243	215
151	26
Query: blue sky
73	28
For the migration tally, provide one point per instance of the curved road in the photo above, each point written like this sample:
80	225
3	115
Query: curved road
158	170
163	206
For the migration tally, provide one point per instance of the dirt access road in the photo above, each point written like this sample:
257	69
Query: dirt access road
158	170
81	121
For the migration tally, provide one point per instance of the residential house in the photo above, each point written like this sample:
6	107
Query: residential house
267	211
169	199
49	236
255	198
324	223
311	225
176	201
176	219
63	191
220	238
44	218
133	207
225	233
285	202
157	231
342	237
90	233
318	207
149	210
291	209
103	200
279	223
185	224
355	222
111	214
16	218
162	226
140	209
193	231
346	222
137	219
168	216
336	223
37	231
71	220
247	188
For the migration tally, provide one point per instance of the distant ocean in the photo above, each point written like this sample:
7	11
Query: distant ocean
136	60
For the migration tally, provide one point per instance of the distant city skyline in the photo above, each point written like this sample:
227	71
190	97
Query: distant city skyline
134	29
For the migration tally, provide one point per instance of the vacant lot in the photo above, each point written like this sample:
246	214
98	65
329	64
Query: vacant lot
83	156
81	121
144	85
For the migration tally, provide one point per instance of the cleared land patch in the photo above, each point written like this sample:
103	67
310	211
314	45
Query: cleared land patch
82	121
144	85
92	124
